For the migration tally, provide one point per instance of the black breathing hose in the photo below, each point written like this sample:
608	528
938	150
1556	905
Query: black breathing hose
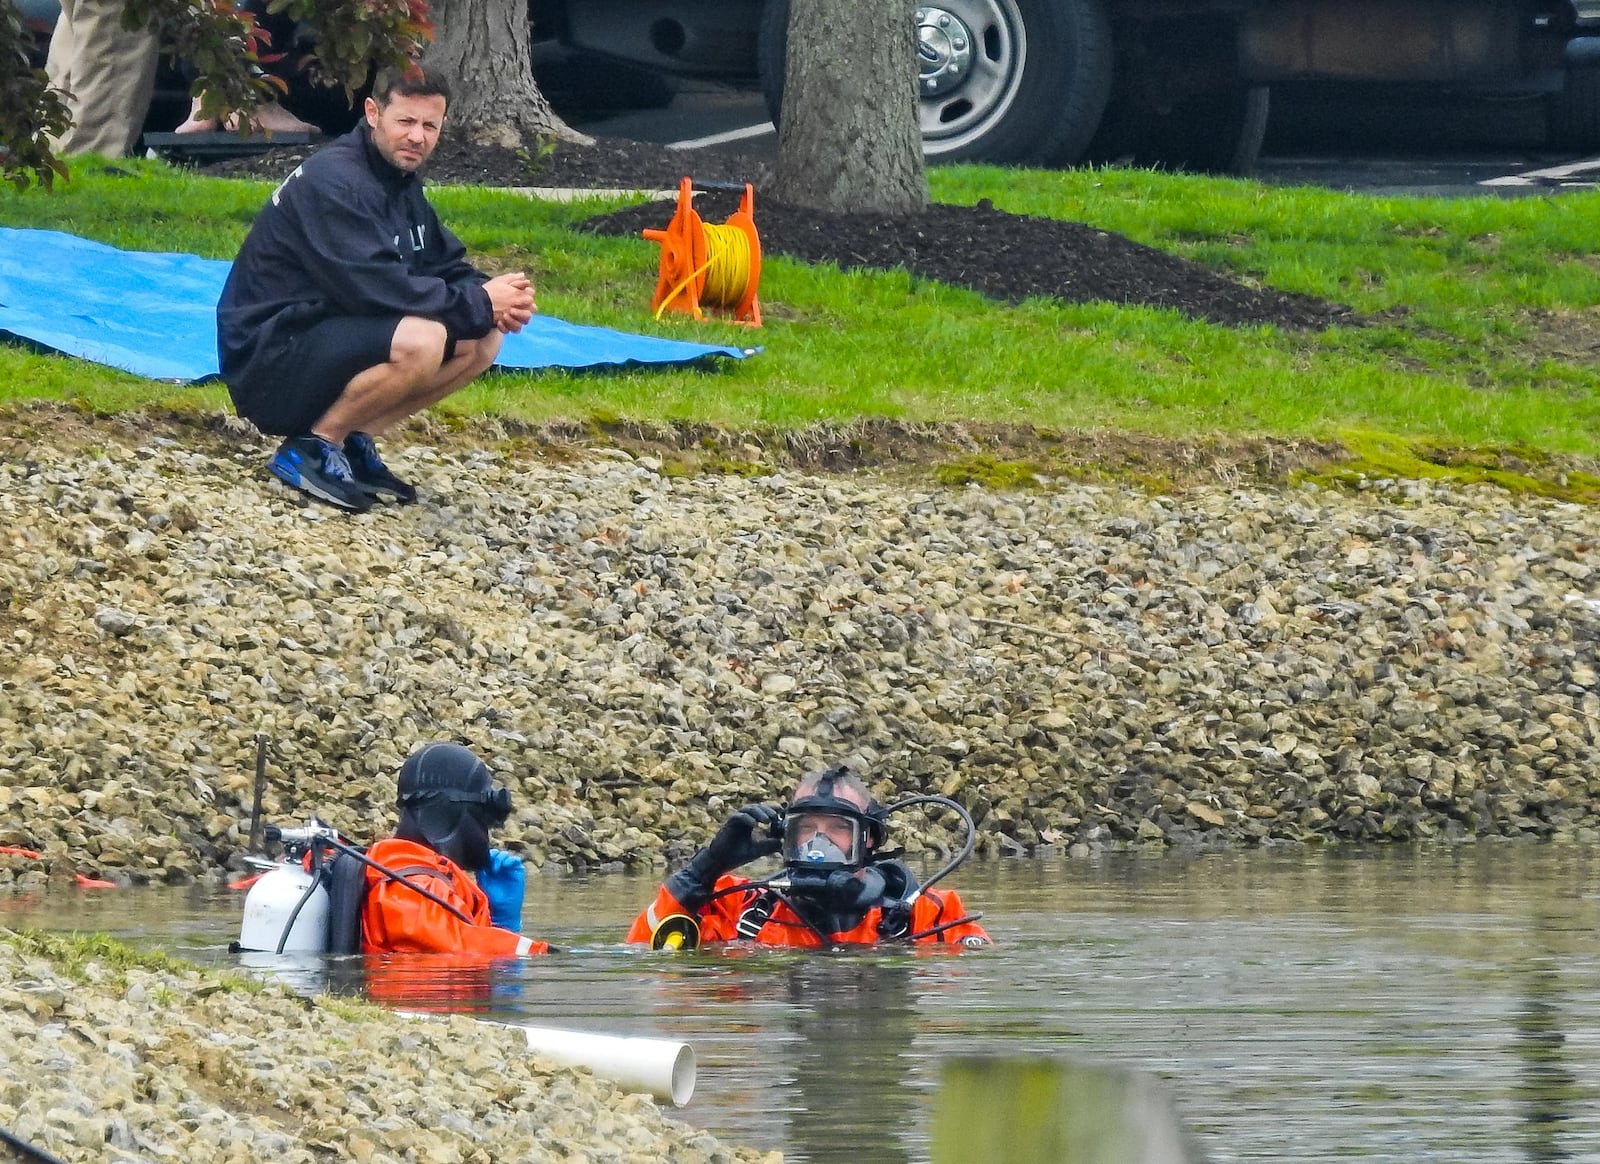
311	888
941	927
966	848
825	939
352	851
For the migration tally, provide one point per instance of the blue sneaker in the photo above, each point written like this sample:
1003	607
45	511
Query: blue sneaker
319	468
371	473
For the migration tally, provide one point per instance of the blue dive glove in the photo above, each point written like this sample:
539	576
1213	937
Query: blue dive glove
504	880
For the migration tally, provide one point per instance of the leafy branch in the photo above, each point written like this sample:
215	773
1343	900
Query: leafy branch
348	40
30	111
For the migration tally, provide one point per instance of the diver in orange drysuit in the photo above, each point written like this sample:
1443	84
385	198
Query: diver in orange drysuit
447	807
835	889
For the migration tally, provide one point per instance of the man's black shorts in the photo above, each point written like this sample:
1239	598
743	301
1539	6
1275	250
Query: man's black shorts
292	385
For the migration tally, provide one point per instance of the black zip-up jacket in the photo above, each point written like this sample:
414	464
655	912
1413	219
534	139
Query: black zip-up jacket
346	234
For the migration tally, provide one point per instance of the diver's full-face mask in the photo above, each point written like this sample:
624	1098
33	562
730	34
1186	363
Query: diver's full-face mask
832	823
823	841
490	805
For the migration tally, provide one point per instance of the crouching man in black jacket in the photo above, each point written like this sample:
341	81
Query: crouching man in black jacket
351	306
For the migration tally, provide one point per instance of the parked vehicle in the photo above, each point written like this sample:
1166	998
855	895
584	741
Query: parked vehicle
1166	82
1177	83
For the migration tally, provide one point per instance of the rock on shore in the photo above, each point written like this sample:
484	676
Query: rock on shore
636	654
113	1057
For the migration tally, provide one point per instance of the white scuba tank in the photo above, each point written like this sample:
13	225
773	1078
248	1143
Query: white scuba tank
269	905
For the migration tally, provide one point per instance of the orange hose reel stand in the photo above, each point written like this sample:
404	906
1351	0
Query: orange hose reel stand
686	256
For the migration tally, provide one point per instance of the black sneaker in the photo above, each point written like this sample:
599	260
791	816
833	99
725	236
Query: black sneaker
371	473
318	467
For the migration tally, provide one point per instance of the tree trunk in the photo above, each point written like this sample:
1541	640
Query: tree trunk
849	139
483	48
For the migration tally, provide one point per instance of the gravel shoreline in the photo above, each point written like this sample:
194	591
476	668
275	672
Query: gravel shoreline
112	1057
636	653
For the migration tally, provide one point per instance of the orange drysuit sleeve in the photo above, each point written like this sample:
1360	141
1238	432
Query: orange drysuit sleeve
717	919
398	919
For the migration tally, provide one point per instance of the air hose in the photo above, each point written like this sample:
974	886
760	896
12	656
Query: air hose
710	264
726	269
961	855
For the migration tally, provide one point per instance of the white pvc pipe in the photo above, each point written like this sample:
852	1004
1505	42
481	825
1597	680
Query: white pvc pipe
660	1067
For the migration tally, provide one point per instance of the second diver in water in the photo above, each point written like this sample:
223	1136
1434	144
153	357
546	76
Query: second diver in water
838	886
448	804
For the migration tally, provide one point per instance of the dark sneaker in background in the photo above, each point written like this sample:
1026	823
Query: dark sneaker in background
371	473
319	467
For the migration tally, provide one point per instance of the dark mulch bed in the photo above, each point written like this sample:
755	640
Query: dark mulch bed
1009	257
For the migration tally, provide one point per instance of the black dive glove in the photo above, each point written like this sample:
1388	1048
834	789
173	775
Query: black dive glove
755	831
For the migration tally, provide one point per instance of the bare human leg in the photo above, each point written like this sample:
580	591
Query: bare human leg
269	119
273	118
472	359
415	377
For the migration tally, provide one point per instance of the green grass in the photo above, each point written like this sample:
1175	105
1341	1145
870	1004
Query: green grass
73	954
1487	333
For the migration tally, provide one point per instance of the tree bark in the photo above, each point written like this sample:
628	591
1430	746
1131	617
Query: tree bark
483	48
849	139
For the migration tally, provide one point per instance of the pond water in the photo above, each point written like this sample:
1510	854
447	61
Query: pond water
1390	1005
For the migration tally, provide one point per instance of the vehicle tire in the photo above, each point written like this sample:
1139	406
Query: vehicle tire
1208	133
1000	80
1574	113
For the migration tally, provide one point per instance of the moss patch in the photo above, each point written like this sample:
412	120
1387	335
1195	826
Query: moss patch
1516	468
72	954
990	471
992	455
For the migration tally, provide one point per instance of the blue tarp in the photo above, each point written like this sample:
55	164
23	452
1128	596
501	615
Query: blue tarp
154	314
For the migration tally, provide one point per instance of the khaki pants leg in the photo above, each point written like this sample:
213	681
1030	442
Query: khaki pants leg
108	74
